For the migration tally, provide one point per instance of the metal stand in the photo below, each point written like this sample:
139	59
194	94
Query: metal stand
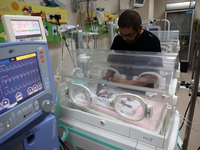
79	39
195	51
192	107
110	31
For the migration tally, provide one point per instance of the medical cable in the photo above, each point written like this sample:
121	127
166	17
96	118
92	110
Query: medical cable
62	144
187	123
185	115
69	53
63	37
65	135
59	68
182	117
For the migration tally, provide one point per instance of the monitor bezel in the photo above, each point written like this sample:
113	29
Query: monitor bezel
9	32
138	5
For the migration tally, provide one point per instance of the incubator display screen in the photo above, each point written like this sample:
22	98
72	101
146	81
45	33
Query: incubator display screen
26	30
20	80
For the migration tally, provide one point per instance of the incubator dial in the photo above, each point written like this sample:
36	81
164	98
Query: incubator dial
46	105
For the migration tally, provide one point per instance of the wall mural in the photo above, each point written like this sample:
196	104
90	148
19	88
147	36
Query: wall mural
99	21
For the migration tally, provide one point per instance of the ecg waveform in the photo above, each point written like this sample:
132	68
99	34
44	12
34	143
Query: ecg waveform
20	86
20	79
18	65
20	75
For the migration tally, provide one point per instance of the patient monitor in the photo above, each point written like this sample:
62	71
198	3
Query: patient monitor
23	28
26	88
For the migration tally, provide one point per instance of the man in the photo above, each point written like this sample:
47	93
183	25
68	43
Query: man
132	37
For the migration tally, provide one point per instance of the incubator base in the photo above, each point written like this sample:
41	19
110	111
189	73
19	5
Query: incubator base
90	132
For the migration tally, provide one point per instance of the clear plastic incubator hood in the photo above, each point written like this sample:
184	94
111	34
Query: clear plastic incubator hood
130	94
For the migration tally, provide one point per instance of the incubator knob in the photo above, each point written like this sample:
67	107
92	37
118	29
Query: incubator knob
46	105
102	122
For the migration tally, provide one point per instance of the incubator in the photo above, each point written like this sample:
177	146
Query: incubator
169	40
126	99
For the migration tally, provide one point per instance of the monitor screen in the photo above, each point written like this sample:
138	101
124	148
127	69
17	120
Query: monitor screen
139	1
20	80
154	29
26	30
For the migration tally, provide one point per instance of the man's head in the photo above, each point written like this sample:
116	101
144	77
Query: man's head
130	27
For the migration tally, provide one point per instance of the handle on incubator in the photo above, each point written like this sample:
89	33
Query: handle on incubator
160	81
74	99
147	109
77	72
115	72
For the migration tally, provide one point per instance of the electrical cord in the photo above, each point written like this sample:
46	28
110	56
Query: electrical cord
63	144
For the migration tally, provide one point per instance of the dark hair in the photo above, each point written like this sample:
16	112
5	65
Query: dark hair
130	18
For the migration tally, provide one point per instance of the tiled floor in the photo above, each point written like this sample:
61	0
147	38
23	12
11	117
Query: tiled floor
183	100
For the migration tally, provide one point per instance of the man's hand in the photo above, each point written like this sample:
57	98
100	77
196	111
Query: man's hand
109	74
141	81
118	79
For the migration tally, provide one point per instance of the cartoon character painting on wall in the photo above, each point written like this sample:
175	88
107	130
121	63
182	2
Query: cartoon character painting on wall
26	11
99	22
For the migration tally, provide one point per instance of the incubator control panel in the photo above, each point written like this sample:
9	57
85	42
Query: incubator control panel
25	85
